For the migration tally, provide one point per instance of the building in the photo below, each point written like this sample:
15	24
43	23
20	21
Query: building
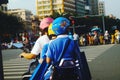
48	7
94	7
3	7
101	8
80	7
87	7
3	2
24	15
112	16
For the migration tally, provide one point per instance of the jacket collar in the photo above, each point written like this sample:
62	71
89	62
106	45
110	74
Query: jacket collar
62	36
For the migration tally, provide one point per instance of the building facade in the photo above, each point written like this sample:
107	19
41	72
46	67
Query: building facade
48	7
101	8
3	7
25	15
94	7
87	7
80	7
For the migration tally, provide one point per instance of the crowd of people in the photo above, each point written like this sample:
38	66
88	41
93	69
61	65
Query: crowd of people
96	38
92	38
22	41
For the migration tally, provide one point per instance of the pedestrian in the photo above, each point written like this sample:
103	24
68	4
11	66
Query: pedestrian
76	37
112	38
41	41
26	43
101	38
106	37
56	48
117	36
96	38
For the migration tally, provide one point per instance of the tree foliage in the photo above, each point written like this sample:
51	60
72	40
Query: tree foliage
60	14
90	21
9	26
3	2
83	24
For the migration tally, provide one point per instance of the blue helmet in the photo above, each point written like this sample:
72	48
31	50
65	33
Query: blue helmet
59	25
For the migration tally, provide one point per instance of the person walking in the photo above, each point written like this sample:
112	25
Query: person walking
106	37
76	37
26	42
117	36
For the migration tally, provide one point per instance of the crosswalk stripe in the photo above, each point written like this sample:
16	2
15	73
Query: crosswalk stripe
90	59
15	64
7	67
12	77
14	73
15	68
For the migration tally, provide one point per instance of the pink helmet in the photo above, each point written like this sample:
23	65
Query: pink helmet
45	22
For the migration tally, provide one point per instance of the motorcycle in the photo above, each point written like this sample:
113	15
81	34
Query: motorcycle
77	70
31	68
33	64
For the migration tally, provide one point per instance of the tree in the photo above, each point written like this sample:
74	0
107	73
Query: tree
10	25
90	21
55	14
61	14
3	2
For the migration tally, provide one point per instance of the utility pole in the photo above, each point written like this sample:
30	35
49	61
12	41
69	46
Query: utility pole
73	25
103	21
1	65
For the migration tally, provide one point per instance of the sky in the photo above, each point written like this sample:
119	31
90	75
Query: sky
111	6
22	4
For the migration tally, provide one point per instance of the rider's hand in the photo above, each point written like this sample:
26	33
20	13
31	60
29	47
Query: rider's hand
40	60
22	54
27	55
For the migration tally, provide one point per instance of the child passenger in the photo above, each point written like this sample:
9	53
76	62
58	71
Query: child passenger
56	48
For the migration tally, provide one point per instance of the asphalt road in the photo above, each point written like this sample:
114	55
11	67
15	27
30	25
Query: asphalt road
103	61
106	64
13	65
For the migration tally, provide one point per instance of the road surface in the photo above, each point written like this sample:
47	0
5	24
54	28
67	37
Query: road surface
103	61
